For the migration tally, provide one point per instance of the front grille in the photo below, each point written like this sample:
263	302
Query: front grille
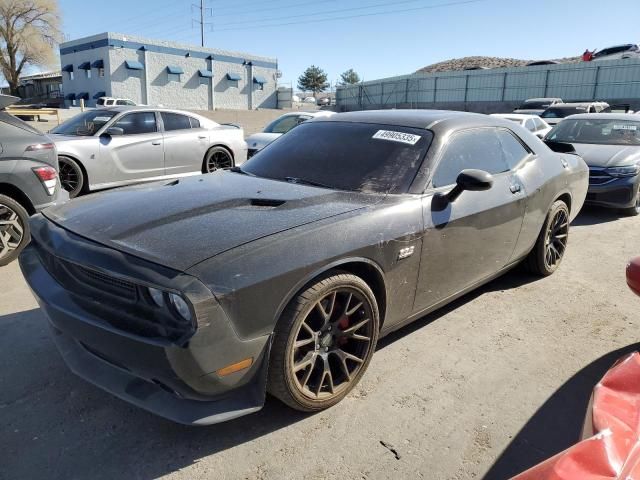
598	176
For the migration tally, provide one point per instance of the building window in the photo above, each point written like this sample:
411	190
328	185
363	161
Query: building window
101	72
88	73
71	75
204	81
234	83
259	86
174	77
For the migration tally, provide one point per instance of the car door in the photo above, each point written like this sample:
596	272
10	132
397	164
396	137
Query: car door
185	143
132	150
473	237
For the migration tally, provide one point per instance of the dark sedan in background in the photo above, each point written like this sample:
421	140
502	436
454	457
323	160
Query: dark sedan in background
28	179
282	274
610	144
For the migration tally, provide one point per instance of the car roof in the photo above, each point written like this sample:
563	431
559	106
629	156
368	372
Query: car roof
577	104
425	119
541	99
604	116
145	108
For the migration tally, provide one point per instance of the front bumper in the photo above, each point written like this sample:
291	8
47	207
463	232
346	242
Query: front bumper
614	192
178	382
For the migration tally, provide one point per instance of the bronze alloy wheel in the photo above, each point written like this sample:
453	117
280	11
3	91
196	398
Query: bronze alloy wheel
324	342
332	343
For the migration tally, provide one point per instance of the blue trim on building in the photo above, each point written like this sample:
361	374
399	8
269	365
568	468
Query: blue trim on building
70	96
98	64
259	79
82	95
99	94
174	70
113	42
67	68
133	65
205	73
233	77
84	66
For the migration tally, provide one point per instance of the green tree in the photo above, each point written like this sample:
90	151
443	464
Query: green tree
314	79
350	77
29	30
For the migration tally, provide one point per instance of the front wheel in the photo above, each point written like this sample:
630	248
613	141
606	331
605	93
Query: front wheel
324	342
551	244
14	229
217	157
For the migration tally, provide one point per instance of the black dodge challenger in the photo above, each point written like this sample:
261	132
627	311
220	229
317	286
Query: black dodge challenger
193	298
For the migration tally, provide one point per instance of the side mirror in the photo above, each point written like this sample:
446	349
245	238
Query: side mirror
113	131
471	180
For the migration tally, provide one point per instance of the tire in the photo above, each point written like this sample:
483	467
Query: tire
342	345
548	252
217	157
635	210
14	229
72	177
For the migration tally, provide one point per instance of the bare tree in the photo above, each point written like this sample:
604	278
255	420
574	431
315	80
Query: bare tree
29	31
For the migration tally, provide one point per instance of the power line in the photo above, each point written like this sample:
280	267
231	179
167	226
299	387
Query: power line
388	12
201	22
258	10
327	12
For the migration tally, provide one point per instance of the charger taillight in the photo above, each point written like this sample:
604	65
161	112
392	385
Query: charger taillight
49	178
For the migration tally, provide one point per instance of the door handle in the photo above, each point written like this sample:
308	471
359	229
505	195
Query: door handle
155	143
202	137
515	188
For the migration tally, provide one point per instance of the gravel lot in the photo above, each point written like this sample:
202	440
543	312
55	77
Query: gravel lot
485	388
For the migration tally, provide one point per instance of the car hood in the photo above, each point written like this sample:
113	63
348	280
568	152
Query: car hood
528	111
258	141
607	155
183	222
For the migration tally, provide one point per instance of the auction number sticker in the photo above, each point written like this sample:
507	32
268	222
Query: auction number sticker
102	119
625	127
401	137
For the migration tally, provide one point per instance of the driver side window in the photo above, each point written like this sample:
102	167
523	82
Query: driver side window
136	123
477	148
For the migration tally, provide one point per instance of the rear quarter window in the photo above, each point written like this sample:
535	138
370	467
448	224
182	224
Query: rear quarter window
17	123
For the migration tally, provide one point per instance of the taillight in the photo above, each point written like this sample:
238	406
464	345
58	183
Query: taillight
40	146
49	178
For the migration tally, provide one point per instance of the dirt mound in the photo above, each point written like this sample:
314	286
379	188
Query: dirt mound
483	62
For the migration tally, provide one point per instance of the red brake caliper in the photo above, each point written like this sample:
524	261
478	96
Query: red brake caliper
343	324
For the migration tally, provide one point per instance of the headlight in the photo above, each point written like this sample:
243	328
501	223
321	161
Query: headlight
180	306
626	171
157	296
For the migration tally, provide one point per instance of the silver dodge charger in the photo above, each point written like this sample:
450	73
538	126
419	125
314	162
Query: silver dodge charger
112	147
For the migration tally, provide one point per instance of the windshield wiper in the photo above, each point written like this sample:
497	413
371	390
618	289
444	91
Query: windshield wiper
303	181
239	170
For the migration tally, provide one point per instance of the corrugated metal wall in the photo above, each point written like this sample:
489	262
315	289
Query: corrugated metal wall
605	80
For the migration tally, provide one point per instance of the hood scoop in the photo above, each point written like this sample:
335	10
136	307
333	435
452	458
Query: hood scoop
266	202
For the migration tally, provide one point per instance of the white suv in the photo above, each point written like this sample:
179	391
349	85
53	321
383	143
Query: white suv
104	102
630	50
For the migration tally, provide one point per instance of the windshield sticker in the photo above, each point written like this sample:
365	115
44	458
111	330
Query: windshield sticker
401	137
625	127
101	119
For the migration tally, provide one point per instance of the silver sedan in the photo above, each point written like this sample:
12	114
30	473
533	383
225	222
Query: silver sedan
112	147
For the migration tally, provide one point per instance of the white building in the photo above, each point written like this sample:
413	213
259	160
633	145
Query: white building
155	72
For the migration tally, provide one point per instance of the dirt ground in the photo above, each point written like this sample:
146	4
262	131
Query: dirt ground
482	389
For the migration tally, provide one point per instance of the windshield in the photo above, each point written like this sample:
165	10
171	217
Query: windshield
563	112
534	105
345	156
85	124
602	132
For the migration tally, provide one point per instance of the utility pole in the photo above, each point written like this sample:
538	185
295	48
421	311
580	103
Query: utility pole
203	11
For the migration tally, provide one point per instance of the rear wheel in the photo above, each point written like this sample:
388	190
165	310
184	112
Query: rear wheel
217	157
324	342
635	210
71	176
14	229
551	244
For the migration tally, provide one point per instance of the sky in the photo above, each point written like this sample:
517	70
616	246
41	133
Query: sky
377	38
